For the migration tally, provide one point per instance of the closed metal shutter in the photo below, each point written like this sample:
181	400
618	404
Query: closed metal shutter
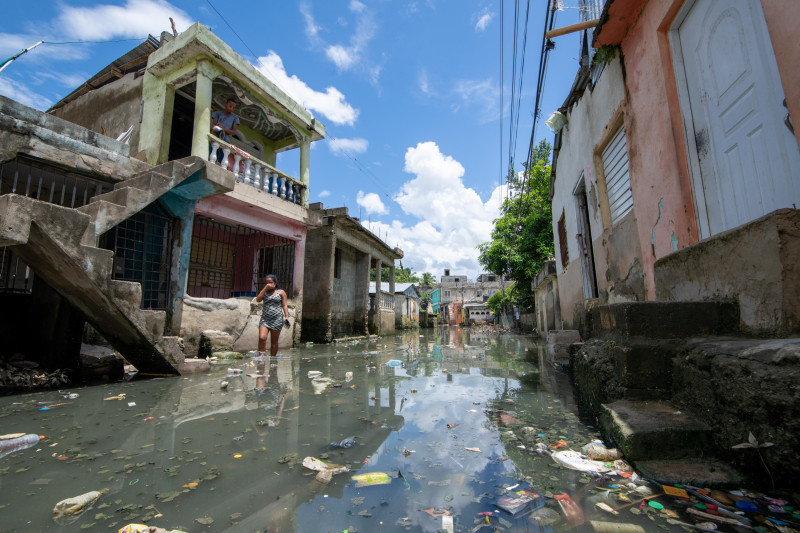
618	184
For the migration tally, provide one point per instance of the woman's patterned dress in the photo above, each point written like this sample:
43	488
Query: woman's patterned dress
272	315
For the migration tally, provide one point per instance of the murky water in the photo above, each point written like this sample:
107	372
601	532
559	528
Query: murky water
446	428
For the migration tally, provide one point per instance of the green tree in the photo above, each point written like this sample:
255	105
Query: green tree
428	280
522	238
401	275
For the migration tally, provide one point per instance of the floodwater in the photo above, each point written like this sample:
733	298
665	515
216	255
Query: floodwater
446	427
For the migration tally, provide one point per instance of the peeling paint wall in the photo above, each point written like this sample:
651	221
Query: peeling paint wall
616	250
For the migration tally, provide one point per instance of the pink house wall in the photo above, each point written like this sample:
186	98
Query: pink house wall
222	207
660	180
663	205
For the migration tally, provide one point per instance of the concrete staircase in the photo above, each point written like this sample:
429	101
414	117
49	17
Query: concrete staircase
60	244
641	340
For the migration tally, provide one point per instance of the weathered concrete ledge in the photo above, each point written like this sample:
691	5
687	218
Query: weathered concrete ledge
761	262
665	320
743	386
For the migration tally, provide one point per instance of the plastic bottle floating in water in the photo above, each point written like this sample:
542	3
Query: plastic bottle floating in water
11	445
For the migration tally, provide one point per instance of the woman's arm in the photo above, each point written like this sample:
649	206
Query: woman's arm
285	305
260	295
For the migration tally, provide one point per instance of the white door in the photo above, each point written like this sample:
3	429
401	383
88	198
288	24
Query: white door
745	161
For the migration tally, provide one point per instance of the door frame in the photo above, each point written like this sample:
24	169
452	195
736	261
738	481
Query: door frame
684	102
588	269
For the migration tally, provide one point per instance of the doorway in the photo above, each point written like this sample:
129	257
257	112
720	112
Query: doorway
180	140
743	158
584	237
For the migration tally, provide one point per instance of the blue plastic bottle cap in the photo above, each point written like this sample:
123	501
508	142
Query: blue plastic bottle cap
746	506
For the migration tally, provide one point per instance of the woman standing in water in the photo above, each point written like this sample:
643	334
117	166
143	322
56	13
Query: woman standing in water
274	316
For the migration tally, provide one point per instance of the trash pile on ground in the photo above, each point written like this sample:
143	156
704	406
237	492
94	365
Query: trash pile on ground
18	374
487	328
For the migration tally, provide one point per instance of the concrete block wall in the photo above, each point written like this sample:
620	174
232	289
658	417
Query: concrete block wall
343	302
317	293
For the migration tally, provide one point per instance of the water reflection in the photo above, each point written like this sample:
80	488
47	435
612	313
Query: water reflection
190	454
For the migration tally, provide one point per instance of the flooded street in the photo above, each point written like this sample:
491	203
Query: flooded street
447	422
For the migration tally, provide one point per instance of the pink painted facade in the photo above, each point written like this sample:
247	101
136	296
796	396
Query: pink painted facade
657	154
651	104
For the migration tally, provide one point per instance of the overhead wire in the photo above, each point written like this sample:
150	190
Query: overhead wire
503	174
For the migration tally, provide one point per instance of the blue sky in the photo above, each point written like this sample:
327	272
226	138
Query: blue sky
409	92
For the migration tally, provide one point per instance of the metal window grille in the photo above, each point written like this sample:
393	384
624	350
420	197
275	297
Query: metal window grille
142	247
35	179
230	260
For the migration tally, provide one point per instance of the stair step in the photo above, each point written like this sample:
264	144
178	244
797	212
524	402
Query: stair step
97	262
707	473
130	197
665	320
654	430
154	321
127	292
148	181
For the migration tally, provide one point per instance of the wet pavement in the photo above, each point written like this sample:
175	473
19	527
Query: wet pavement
447	424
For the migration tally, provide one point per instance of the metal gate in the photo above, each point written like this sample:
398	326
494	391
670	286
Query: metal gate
34	179
142	247
230	260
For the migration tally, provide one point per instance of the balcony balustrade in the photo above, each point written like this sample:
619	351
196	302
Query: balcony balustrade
252	171
387	300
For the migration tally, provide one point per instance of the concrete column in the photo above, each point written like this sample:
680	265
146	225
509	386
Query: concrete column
378	268
206	72
391	279
158	101
305	156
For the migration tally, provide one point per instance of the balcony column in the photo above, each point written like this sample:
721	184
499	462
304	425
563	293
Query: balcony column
158	99
378	268
305	156
206	72
391	279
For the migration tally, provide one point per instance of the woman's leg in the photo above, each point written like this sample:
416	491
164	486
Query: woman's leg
263	331
274	334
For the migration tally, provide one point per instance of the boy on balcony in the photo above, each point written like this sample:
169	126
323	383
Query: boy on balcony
224	123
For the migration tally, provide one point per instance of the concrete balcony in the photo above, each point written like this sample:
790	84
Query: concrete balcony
254	172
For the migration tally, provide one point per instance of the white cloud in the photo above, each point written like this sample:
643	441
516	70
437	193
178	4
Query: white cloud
324	194
371	203
352	54
422	82
481	94
484	18
311	28
331	103
19	92
356	6
453	219
67	80
345	147
136	18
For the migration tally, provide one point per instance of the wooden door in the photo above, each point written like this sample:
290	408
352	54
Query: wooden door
747	159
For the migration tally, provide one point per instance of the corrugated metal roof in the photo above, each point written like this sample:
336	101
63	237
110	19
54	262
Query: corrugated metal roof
134	60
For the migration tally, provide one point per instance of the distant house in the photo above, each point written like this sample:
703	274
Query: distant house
406	304
477	313
680	158
340	255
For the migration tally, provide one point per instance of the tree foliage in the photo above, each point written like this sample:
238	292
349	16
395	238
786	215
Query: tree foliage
401	275
522	238
428	280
